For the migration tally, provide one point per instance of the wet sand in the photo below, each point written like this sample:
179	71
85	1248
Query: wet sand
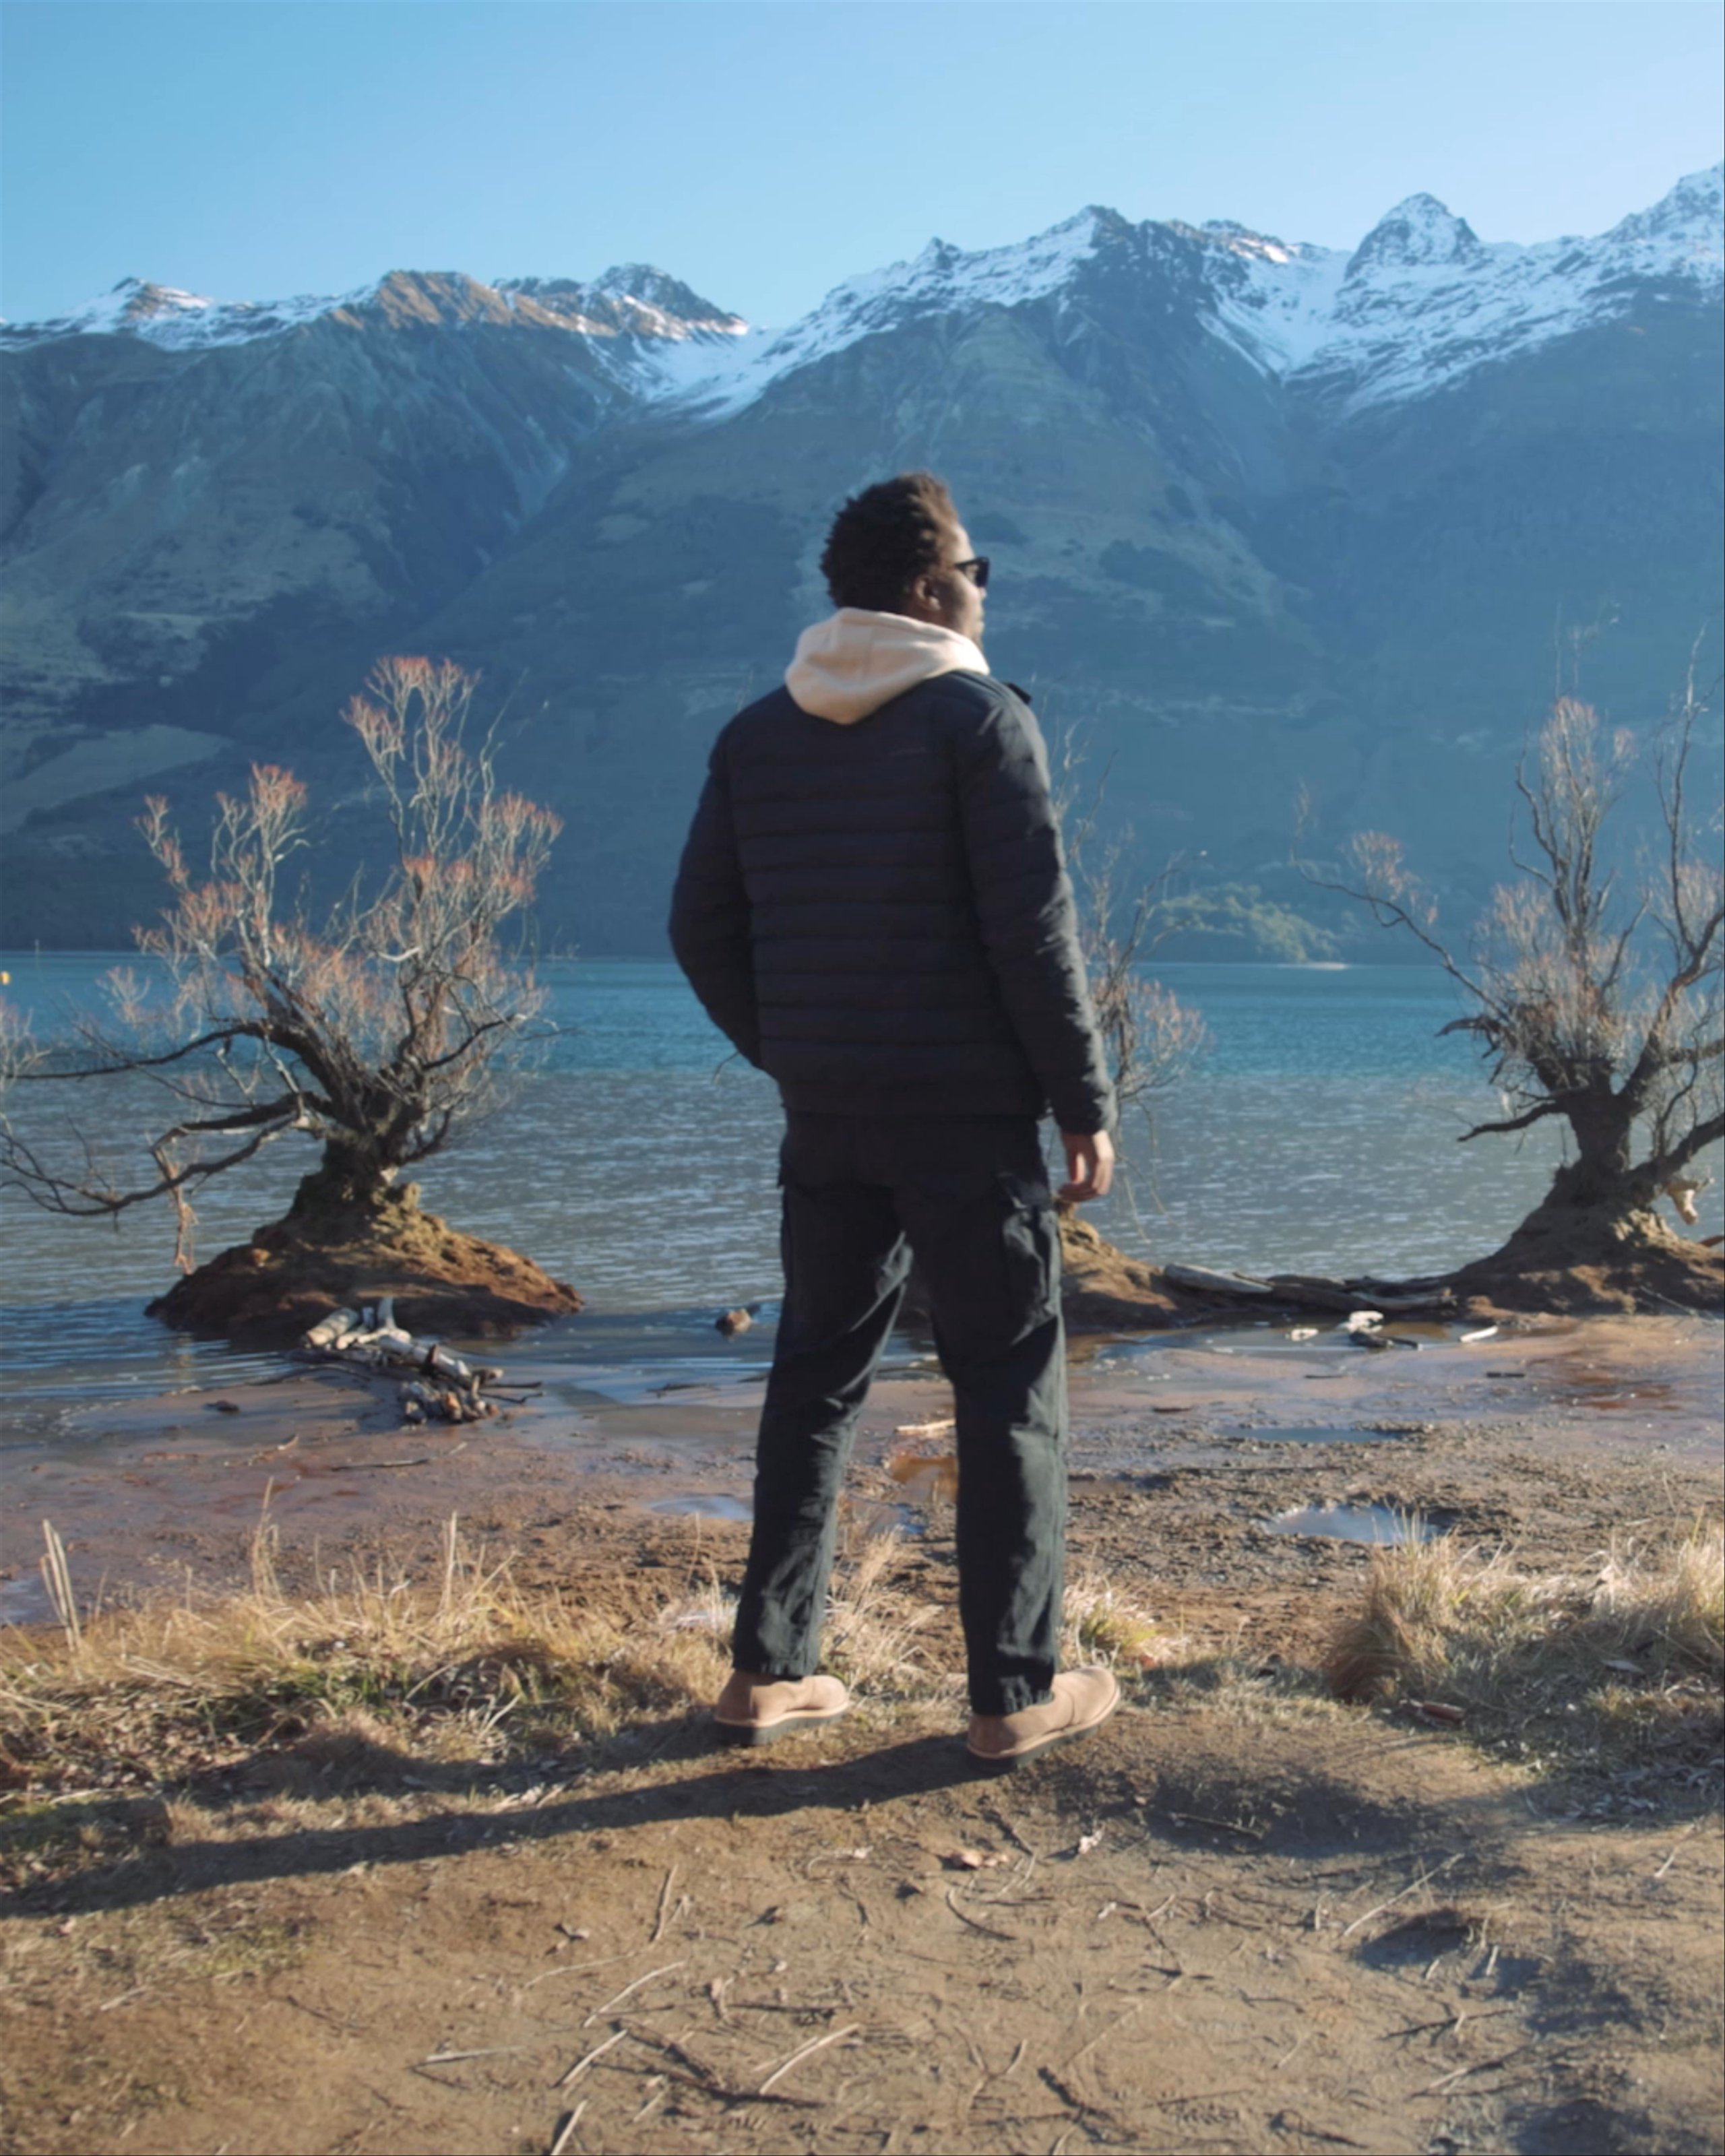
1336	1927
1205	1440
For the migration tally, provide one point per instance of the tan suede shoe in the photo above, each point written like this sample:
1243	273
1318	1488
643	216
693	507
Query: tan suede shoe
1082	1699
754	1710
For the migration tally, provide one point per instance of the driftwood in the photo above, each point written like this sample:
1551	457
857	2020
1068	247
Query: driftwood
1213	1283
438	1386
1307	1290
1338	1294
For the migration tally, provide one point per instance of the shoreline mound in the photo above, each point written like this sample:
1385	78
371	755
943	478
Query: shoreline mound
1573	1262
270	1291
1650	1278
1105	1290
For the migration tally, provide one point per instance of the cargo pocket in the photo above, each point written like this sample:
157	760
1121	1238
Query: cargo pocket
1030	1237
992	1261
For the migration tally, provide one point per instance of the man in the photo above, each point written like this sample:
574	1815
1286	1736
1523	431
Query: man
872	906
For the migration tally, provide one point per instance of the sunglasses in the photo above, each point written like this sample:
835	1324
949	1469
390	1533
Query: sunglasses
977	569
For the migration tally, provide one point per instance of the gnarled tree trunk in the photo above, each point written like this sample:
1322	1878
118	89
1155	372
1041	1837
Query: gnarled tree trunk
352	1187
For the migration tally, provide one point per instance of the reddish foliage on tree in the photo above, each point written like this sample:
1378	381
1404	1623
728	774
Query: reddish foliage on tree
379	1027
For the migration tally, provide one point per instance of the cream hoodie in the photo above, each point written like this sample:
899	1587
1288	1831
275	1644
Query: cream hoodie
857	661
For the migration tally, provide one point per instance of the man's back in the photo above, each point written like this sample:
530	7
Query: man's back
877	911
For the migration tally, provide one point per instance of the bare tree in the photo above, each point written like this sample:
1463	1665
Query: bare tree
378	1029
1595	982
1152	1039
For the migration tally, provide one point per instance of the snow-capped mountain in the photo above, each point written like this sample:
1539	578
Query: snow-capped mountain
1420	300
1266	515
1423	300
631	305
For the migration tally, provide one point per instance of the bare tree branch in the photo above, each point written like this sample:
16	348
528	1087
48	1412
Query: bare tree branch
1593	1002
1152	1039
1524	1121
378	1028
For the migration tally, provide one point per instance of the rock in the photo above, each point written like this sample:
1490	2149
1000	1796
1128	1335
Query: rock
732	1322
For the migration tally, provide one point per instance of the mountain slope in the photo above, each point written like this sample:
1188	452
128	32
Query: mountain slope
1265	515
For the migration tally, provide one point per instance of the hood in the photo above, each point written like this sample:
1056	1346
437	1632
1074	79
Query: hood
853	664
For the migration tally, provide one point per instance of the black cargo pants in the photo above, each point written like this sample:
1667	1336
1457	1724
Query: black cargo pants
970	1197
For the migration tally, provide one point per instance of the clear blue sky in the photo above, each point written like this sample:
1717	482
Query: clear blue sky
260	148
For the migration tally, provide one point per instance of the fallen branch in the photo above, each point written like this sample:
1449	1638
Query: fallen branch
438	1386
565	2132
1461	2073
599	2013
581	2065
492	2051
1309	1291
975	1923
1425	1879
664	1907
815	2044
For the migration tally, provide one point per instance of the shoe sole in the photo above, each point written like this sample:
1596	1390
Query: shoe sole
999	1763
769	1732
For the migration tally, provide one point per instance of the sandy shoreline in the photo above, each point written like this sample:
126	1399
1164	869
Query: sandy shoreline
166	1491
1242	1917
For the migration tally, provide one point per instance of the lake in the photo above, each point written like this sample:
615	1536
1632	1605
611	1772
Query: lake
1318	1134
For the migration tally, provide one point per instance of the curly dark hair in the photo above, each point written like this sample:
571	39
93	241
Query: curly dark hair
885	537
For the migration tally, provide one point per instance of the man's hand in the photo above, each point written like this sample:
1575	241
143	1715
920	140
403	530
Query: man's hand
1090	1165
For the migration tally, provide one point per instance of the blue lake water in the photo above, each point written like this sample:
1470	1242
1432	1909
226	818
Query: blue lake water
1318	1134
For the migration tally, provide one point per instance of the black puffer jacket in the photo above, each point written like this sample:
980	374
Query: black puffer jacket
878	914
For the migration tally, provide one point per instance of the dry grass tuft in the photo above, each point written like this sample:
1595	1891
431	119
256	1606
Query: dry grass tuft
1614	1671
464	1666
347	1686
1103	1624
876	1637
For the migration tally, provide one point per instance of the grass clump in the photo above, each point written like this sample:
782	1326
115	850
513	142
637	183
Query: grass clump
1617	1672
465	1666
877	1638
380	1676
1103	1624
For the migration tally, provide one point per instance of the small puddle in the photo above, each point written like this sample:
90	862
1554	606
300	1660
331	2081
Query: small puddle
871	1516
925	1475
1378	1524
25	1601
1575	1382
705	1506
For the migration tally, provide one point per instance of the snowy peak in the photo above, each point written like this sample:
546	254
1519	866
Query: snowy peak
1424	301
635	301
942	279
1687	226
1421	302
132	303
163	315
1419	234
419	299
654	295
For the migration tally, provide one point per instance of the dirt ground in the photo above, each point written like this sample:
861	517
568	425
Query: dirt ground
1241	1917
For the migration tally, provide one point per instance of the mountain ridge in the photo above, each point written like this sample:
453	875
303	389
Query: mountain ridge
1264	517
1293	305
